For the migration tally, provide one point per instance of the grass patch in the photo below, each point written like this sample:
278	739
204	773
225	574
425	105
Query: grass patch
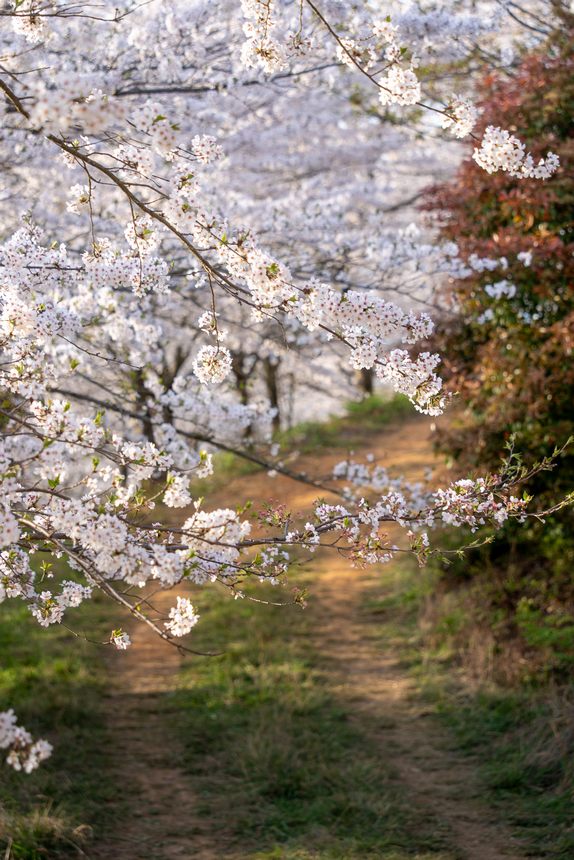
276	757
522	737
55	684
525	740
226	467
361	419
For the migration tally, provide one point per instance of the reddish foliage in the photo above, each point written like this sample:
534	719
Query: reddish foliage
516	371
512	358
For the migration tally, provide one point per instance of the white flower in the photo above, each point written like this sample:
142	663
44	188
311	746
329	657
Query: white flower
23	752
400	86
182	617
499	289
525	257
206	148
499	150
212	364
177	493
205	467
79	200
462	117
121	640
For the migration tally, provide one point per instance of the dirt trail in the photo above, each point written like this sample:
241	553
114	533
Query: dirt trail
368	674
163	822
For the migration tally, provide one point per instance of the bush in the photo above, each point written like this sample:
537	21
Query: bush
512	356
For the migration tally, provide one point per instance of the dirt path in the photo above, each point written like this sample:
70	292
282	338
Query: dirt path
381	695
367	673
163	821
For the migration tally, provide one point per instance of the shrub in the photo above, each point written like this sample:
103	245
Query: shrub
512	355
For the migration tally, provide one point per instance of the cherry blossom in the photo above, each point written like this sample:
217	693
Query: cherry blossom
500	150
23	752
194	208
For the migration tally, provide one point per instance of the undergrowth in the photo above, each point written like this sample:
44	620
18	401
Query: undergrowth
520	735
55	683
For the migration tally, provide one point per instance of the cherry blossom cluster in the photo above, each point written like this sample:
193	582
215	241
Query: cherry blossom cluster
261	48
26	22
182	617
212	364
500	150
475	503
417	379
398	83
465	502
460	116
23	752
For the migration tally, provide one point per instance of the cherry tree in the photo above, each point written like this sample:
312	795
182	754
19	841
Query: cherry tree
193	191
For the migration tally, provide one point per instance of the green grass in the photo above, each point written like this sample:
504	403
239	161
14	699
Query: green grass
276	757
522	736
361	419
55	684
525	742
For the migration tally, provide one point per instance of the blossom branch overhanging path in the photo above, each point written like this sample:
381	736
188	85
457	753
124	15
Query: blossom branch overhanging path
78	490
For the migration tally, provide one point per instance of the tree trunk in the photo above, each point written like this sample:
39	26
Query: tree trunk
270	368
366	380
241	376
145	418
